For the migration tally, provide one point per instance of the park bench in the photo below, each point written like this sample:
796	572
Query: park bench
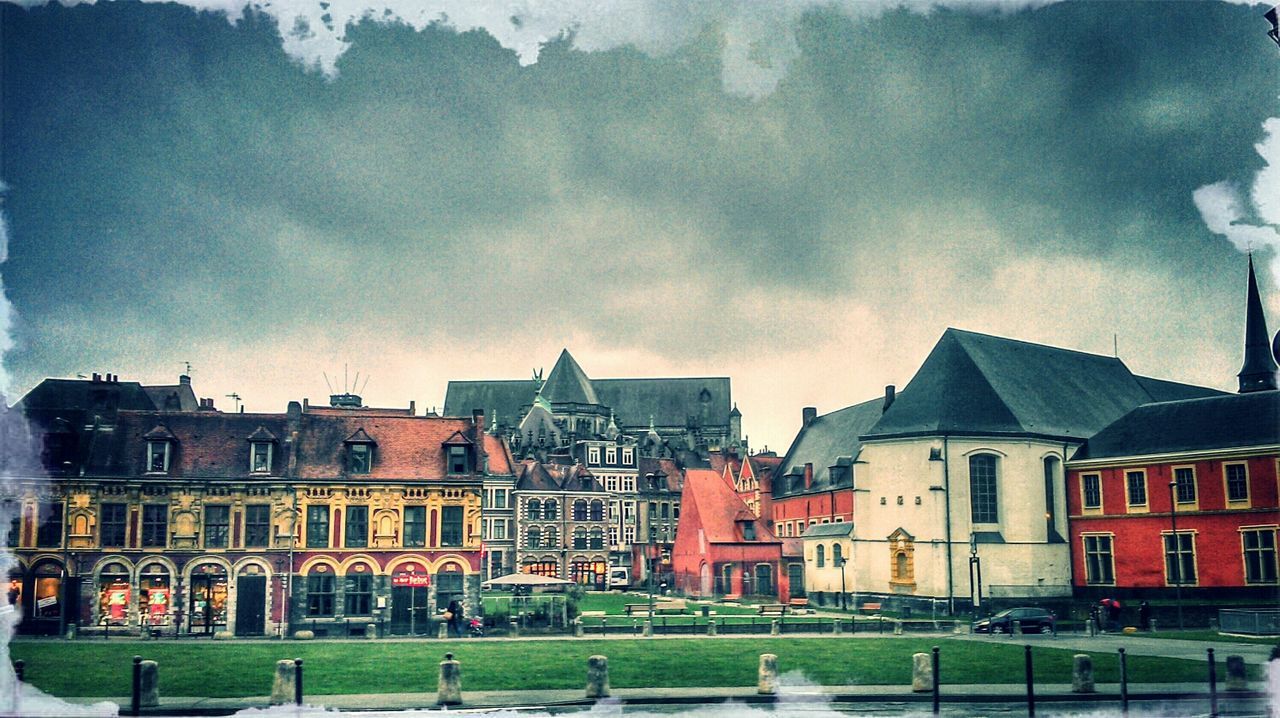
798	603
659	607
871	606
772	609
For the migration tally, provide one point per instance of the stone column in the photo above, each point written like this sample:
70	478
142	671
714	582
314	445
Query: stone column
711	627
150	683
921	673
767	682
598	677
282	687
449	692
1236	678
648	628
774	628
1082	674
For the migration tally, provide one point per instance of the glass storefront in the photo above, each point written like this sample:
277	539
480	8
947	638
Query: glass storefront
47	589
208	604
114	593
589	573
155	595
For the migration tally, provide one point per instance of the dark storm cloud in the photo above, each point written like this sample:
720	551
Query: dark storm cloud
181	185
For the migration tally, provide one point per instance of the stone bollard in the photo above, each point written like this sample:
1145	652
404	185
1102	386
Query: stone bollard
774	628
711	627
449	692
1153	625
837	627
515	628
282	688
304	635
767	682
1082	674
598	677
897	628
223	636
1236	678
371	630
578	630
150	693
921	673
443	631
648	628
1015	627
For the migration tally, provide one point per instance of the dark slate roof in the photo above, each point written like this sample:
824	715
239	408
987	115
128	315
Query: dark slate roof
1165	390
840	530
173	397
1221	422
979	384
825	441
669	401
508	400
568	384
104	398
209	445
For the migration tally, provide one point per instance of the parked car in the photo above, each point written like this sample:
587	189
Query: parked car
620	577
1032	620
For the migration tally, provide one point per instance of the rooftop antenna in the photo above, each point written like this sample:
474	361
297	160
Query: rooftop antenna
327	382
236	398
366	383
356	383
344	377
188	366
1115	345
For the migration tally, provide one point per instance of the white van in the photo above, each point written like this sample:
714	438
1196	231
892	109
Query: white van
620	577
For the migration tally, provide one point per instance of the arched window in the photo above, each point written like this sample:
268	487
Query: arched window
533	510
597	511
550	510
725	579
822	555
580	510
982	489
551	539
837	555
1051	465
580	538
901	567
533	537
597	538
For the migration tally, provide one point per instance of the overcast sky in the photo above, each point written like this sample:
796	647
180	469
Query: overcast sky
799	196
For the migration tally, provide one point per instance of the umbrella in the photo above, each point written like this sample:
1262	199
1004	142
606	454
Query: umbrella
525	579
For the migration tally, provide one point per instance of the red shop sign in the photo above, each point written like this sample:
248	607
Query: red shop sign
411	580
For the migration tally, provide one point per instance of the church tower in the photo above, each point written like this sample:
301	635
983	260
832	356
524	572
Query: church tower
1259	370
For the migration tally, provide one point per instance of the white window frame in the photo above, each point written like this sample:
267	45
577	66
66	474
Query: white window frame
1131	507
628	455
611	455
593	455
254	447
151	448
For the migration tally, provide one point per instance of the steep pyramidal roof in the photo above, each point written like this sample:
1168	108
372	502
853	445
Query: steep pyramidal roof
979	384
567	383
1259	370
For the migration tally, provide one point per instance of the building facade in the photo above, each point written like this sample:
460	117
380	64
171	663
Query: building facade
562	515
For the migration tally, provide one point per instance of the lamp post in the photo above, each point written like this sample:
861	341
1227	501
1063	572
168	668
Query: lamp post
975	574
1177	550
844	605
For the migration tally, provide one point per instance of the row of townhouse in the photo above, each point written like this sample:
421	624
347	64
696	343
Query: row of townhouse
138	513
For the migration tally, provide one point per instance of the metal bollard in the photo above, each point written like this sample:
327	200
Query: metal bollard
1213	686
1124	684
135	703
937	695
297	681
1031	690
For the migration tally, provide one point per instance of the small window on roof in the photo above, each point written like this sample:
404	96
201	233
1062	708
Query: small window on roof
748	530
361	457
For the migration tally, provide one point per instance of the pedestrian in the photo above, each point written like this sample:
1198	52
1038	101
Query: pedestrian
1144	616
1113	612
453	616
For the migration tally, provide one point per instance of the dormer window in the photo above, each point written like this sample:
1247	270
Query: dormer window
458	454
748	531
261	450
628	456
611	455
157	457
361	457
593	455
458	463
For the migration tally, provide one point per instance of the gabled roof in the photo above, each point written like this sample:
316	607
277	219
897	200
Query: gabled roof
538	476
458	438
1221	422
978	384
567	383
359	437
208	445
173	397
823	442
101	397
159	433
261	434
408	447
719	509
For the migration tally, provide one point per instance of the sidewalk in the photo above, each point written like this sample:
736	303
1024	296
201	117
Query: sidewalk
1137	645
1108	694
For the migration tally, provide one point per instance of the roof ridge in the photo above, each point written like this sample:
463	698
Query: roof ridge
1037	345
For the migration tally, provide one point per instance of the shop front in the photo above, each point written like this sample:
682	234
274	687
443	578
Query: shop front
411	609
51	594
155	596
207	601
114	594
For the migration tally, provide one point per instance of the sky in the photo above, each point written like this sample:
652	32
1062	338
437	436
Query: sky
801	196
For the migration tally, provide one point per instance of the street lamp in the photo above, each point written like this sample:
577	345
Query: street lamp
1177	550
844	605
975	574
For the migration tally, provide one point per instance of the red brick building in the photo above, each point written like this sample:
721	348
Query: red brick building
722	549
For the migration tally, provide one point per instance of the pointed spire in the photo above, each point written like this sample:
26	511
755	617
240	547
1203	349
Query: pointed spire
567	383
1259	370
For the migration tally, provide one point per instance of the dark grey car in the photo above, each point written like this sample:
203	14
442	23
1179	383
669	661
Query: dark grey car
1032	620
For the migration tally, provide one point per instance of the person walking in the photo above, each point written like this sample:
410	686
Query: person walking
1144	616
453	616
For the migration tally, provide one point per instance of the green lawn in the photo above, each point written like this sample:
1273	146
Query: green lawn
227	669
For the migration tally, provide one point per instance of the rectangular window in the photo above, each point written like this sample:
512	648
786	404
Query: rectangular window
1091	489
1237	482
157	457
317	527
457	459
982	488
415	526
593	456
628	457
320	594
358	588
500	499
1259	555
155	525
1180	559
1136	481
665	511
451	526
49	530
260	457
217	526
112	525
356	535
611	483
629	534
1099	561
361	456
748	531
257	525
613	535
499	529
1185	478
628	483
611	455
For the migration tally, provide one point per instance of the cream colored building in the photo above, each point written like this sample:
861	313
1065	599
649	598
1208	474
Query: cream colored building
829	566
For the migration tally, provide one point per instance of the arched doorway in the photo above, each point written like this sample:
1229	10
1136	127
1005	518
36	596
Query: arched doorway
114	595
48	580
155	595
251	600
207	605
704	580
410	600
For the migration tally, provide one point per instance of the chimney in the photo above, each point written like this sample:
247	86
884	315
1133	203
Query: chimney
808	474
807	415
96	377
412	408
890	393
184	380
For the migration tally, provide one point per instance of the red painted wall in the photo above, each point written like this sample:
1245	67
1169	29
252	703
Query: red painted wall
825	505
